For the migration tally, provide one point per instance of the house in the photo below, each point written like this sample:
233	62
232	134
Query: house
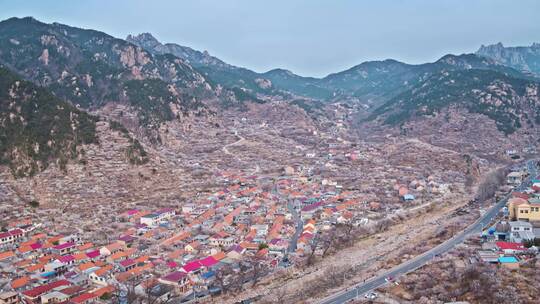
488	256
6	255
193	266
520	231
524	210
56	267
510	248
102	275
54	297
11	237
514	178
193	246
308	211
277	246
408	197
65	248
178	279
127	264
9	297
221	239
208	262
150	220
84	298
126	240
111	249
158	217
35	293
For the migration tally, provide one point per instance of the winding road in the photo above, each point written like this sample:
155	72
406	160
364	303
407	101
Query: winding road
422	259
239	141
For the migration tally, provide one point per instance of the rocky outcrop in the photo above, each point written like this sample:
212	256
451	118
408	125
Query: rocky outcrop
524	58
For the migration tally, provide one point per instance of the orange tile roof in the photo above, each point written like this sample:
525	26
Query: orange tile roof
23	263
219	256
80	256
117	256
47	258
103	290
24	249
123	276
142	259
84	266
194	244
176	238
35	267
100	263
27	243
6	255
54	239
85	246
115	246
103	270
20	282
262	252
38	236
141	269
248	245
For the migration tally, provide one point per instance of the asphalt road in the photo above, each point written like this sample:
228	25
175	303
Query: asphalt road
421	260
299	227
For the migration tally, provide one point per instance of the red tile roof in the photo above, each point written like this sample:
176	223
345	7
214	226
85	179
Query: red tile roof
175	276
127	262
192	266
83	298
64	246
208	261
510	246
35	292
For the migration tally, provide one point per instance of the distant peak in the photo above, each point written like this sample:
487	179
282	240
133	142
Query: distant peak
497	46
143	39
29	19
280	71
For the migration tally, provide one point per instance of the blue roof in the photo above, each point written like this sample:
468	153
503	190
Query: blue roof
48	274
408	197
207	275
509	259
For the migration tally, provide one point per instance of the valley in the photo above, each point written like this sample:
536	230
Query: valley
136	171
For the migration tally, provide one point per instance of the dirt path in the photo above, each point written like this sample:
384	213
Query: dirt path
238	142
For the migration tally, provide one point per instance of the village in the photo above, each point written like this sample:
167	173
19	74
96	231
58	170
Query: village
252	202
258	223
503	256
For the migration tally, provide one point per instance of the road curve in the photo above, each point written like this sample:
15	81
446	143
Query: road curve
420	260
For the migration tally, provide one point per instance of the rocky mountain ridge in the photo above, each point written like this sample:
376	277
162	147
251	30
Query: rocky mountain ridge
90	68
523	58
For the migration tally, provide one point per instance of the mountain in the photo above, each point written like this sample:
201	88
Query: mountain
523	58
509	101
371	83
303	86
215	69
193	57
376	82
274	82
38	128
90	68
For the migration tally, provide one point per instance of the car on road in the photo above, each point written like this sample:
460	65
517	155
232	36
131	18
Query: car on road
389	279
370	295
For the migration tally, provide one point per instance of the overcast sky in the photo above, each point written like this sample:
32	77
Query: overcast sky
309	37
